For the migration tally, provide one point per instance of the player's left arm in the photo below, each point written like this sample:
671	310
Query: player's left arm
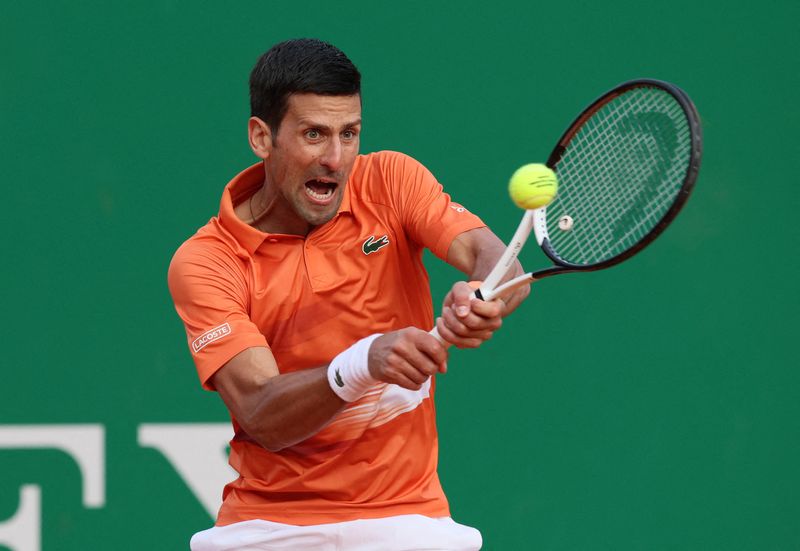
467	322
428	216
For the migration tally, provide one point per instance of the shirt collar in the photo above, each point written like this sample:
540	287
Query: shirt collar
242	186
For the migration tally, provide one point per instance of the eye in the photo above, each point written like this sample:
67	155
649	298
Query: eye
312	134
349	134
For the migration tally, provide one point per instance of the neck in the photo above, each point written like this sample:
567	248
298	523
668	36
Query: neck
263	212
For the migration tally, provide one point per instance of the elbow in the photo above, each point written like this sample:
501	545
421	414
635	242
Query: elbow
272	444
264	435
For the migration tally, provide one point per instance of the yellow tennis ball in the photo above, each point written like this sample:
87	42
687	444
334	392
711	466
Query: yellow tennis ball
533	186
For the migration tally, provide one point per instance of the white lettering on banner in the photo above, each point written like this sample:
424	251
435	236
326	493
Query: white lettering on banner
83	443
210	336
22	532
198	452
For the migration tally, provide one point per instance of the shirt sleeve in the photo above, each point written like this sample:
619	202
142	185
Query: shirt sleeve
428	214
210	293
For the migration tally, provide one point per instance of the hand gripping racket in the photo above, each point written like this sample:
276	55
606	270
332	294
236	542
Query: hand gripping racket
625	167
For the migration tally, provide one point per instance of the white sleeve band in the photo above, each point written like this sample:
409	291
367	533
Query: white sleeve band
348	373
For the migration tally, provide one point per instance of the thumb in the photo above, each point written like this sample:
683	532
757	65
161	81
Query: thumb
462	297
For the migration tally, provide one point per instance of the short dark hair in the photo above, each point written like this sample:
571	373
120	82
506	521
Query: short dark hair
304	65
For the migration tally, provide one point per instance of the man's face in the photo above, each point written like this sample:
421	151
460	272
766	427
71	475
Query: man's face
311	158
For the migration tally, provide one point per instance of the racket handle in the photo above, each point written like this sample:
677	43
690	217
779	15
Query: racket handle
435	333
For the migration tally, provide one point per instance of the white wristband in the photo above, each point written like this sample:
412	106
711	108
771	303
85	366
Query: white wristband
348	373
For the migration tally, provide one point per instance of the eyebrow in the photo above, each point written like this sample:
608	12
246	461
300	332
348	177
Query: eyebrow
311	123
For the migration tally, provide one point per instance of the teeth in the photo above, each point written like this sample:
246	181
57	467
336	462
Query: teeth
327	193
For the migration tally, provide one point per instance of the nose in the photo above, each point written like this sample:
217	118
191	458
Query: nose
331	157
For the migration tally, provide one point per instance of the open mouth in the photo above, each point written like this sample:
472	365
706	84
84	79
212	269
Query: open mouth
320	190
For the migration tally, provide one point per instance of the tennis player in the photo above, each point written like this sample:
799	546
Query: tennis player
307	308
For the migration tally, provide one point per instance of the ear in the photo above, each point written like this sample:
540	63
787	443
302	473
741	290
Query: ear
260	136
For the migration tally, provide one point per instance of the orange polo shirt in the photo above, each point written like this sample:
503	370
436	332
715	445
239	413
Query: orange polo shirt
307	299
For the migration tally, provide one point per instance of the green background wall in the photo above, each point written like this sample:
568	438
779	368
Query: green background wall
652	406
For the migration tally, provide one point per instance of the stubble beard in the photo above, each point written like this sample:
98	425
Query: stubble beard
314	217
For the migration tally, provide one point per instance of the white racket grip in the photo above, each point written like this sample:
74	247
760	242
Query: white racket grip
435	333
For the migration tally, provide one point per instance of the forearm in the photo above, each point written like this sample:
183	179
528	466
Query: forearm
279	410
275	409
485	259
290	408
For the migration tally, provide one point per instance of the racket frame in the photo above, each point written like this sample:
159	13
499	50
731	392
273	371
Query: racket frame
536	220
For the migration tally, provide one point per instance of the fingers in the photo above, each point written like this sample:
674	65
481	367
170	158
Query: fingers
456	340
475	328
484	310
467	322
407	358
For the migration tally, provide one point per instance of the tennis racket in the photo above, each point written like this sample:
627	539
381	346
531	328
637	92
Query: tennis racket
625	167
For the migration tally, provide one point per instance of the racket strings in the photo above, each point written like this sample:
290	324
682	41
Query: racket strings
608	195
619	174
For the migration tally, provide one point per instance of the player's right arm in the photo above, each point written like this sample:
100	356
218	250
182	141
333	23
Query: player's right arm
279	410
276	410
208	283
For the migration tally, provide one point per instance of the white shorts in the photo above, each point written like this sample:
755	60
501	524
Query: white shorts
400	533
